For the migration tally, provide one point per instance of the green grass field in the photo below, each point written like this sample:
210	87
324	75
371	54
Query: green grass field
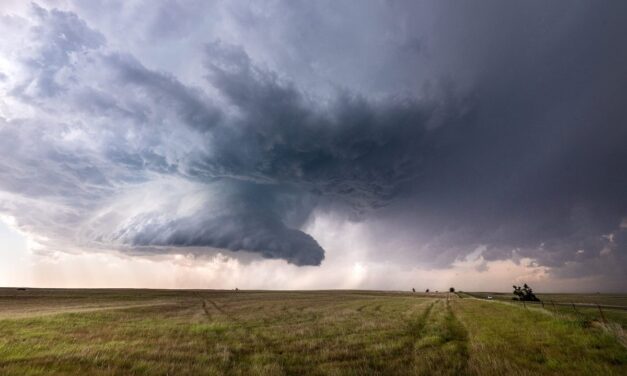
169	332
560	304
602	299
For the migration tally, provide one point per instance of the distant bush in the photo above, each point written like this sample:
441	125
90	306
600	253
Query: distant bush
524	293
452	289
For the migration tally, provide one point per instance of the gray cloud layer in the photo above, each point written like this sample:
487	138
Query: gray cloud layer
443	126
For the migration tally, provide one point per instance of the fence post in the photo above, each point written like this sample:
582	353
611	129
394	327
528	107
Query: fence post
523	302
554	308
542	302
602	315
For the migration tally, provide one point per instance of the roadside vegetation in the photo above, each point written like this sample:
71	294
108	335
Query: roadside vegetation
582	307
108	332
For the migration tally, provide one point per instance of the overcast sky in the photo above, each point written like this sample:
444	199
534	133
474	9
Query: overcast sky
314	144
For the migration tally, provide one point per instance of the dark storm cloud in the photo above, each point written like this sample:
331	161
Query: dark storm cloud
448	127
247	217
351	151
540	168
357	149
273	139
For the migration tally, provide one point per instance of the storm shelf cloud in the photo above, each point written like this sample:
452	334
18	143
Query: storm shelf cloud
444	128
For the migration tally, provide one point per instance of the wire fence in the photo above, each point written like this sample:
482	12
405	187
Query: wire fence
581	310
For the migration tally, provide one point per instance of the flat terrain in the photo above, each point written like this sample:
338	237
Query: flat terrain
586	307
169	332
602	299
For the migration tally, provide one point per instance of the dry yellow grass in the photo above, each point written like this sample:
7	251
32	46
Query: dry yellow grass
109	332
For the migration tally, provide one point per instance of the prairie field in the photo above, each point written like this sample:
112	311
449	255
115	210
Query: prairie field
585	307
210	332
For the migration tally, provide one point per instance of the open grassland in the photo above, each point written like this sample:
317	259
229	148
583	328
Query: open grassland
106	332
602	299
611	309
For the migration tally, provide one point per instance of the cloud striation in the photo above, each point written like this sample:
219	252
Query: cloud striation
490	126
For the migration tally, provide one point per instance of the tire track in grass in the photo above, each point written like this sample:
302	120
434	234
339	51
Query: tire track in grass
240	354
439	342
414	331
218	308
204	305
206	302
457	335
416	326
235	356
204	308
